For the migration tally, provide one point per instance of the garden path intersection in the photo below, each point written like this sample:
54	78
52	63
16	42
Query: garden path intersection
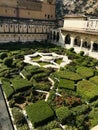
48	58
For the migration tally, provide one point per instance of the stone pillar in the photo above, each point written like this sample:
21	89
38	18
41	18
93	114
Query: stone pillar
81	44
72	42
91	48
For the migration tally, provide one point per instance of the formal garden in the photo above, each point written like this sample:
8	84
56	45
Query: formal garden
53	97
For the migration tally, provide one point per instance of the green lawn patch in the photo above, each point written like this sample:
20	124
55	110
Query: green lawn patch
85	72
66	84
94	80
39	113
20	83
7	88
87	90
36	58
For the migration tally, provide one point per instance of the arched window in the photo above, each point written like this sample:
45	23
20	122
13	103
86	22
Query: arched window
67	39
58	37
77	41
54	37
95	47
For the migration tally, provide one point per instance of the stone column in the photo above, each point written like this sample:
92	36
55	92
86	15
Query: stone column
81	44
91	48
72	42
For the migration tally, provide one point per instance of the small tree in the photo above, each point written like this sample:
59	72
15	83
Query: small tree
8	62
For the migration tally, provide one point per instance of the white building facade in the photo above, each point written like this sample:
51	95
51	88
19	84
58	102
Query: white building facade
79	32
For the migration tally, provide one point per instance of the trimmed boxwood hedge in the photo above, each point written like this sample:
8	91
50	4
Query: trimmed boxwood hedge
85	72
63	113
20	83
68	75
39	113
78	110
87	90
41	85
93	116
66	84
94	80
7	88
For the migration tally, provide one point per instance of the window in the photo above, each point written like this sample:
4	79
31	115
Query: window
45	15
5	10
48	16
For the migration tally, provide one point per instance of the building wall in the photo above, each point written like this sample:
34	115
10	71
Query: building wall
76	23
27	9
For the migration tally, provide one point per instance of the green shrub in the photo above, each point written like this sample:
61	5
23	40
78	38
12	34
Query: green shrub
63	113
94	104
7	88
18	116
39	113
81	109
41	85
20	84
81	53
3	55
87	90
94	80
52	125
93	115
85	72
8	62
67	84
68	75
80	122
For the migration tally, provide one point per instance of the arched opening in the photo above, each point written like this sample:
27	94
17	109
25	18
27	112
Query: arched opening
86	43
58	37
77	41
67	39
50	35
54	36
95	47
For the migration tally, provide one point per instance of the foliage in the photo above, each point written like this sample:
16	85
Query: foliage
93	115
81	53
81	109
39	113
52	125
94	80
8	62
19	119
63	113
20	84
87	90
67	84
85	72
42	85
7	88
3	55
68	75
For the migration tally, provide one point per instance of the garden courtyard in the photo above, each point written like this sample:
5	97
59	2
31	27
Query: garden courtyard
49	87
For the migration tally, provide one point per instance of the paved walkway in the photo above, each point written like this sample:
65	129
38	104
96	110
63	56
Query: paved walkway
5	122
